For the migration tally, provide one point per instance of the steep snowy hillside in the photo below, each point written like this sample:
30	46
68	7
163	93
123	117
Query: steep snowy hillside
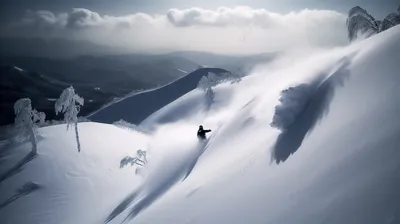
60	185
333	160
137	107
310	138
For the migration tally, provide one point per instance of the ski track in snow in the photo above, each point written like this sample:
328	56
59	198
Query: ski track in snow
176	167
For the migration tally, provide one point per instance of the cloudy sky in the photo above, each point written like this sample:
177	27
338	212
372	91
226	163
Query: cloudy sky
221	26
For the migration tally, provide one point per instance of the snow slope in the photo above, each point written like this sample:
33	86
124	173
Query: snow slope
310	138
70	187
334	160
137	107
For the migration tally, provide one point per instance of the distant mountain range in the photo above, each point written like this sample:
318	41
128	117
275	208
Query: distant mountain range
98	80
56	48
40	69
52	48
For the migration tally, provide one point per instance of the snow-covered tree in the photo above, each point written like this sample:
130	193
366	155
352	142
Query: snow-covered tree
206	83
360	22
211	80
126	125
140	160
69	104
390	21
25	121
141	155
293	101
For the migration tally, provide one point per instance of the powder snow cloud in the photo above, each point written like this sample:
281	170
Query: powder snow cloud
224	30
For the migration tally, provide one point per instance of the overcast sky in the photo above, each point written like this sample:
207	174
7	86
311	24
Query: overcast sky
239	26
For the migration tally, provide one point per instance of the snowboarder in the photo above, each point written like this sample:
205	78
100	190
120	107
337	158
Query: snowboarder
201	133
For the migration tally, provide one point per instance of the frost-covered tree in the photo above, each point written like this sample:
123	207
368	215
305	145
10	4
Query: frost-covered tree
25	121
140	160
390	21
69	104
141	155
126	125
206	83
360	22
292	102
212	80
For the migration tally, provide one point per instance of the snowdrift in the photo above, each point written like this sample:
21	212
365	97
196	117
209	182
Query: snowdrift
136	108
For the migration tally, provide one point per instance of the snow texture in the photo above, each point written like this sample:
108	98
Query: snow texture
61	186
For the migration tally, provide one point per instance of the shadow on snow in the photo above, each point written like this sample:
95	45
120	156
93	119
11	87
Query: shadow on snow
156	186
306	104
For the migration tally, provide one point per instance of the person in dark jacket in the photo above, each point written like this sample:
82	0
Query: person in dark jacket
201	133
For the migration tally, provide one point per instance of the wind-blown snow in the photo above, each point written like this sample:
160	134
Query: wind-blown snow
308	139
338	144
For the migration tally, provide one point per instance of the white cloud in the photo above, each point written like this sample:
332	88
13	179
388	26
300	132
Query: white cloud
80	18
43	19
224	30
83	18
238	16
